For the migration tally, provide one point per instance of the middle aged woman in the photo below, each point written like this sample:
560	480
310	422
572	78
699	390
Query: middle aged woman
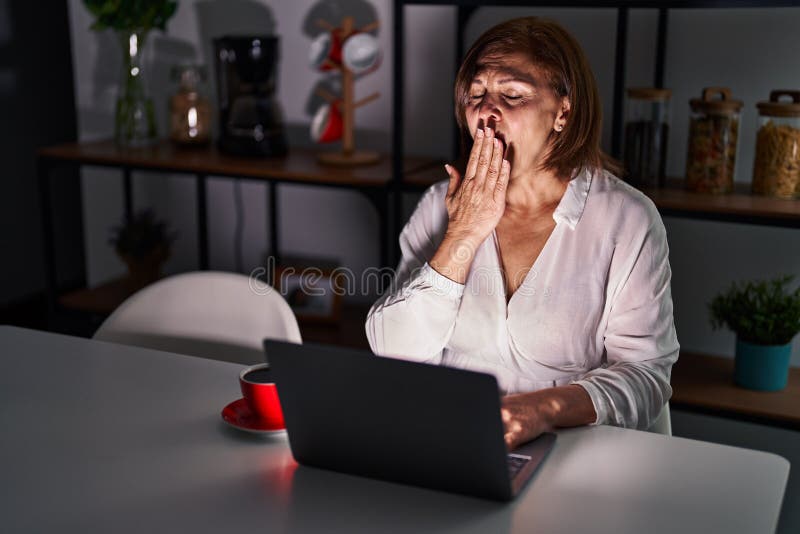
536	264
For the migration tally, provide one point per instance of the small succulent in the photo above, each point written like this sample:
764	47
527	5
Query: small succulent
762	312
141	235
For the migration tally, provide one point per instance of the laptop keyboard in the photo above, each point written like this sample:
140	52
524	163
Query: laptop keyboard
515	464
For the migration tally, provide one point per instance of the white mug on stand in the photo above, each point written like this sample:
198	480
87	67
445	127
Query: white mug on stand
361	53
326	51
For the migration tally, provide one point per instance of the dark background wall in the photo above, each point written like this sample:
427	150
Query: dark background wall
37	108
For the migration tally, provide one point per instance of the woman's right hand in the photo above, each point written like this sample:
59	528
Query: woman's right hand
476	202
474	206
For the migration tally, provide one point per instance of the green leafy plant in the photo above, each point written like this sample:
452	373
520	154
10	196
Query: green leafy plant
763	312
141	235
131	14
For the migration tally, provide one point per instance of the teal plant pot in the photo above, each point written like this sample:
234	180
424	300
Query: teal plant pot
762	367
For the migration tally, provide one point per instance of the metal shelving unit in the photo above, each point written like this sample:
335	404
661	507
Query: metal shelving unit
692	379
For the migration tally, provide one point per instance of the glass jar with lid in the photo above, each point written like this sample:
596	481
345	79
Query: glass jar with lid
647	122
776	170
713	141
189	108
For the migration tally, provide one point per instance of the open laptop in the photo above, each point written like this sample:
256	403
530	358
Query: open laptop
414	423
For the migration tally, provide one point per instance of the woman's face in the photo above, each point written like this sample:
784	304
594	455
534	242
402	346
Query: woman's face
511	95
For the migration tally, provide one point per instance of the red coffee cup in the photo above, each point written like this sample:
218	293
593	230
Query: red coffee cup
261	394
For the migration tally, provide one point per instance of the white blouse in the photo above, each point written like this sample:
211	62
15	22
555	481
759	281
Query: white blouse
595	309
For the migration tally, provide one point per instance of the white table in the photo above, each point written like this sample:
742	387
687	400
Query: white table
99	437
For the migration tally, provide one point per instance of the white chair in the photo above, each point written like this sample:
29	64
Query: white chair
217	315
663	423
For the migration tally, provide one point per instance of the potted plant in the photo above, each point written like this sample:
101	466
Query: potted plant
132	20
765	316
143	242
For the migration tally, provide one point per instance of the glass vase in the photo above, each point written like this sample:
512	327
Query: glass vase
134	119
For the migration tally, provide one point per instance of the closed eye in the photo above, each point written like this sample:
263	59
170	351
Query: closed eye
511	98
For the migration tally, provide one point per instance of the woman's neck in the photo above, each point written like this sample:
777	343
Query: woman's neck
534	193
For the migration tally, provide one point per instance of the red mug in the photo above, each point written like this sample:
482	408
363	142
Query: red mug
261	394
327	125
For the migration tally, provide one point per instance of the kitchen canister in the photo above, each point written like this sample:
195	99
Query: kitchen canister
776	170
647	122
713	141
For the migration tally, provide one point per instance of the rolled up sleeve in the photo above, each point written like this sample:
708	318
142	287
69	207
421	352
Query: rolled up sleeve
415	317
640	341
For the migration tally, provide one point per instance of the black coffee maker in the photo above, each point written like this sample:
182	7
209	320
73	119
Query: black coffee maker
250	118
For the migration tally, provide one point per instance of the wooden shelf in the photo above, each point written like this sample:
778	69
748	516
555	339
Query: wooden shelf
705	383
299	165
424	177
739	206
348	332
105	298
102	299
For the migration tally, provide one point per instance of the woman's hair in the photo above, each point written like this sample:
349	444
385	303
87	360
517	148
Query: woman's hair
559	56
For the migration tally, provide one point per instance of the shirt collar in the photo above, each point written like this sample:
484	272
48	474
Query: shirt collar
571	207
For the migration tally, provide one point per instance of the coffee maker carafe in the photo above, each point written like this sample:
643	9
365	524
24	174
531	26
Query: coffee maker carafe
251	122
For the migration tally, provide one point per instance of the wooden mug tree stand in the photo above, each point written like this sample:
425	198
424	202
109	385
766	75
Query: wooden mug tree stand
349	156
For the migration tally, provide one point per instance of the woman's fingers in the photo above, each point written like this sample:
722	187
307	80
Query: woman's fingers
513	431
485	158
502	180
473	202
493	172
474	156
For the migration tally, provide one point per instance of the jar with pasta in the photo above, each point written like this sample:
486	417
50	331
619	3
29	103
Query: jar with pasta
713	141
647	118
776	170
